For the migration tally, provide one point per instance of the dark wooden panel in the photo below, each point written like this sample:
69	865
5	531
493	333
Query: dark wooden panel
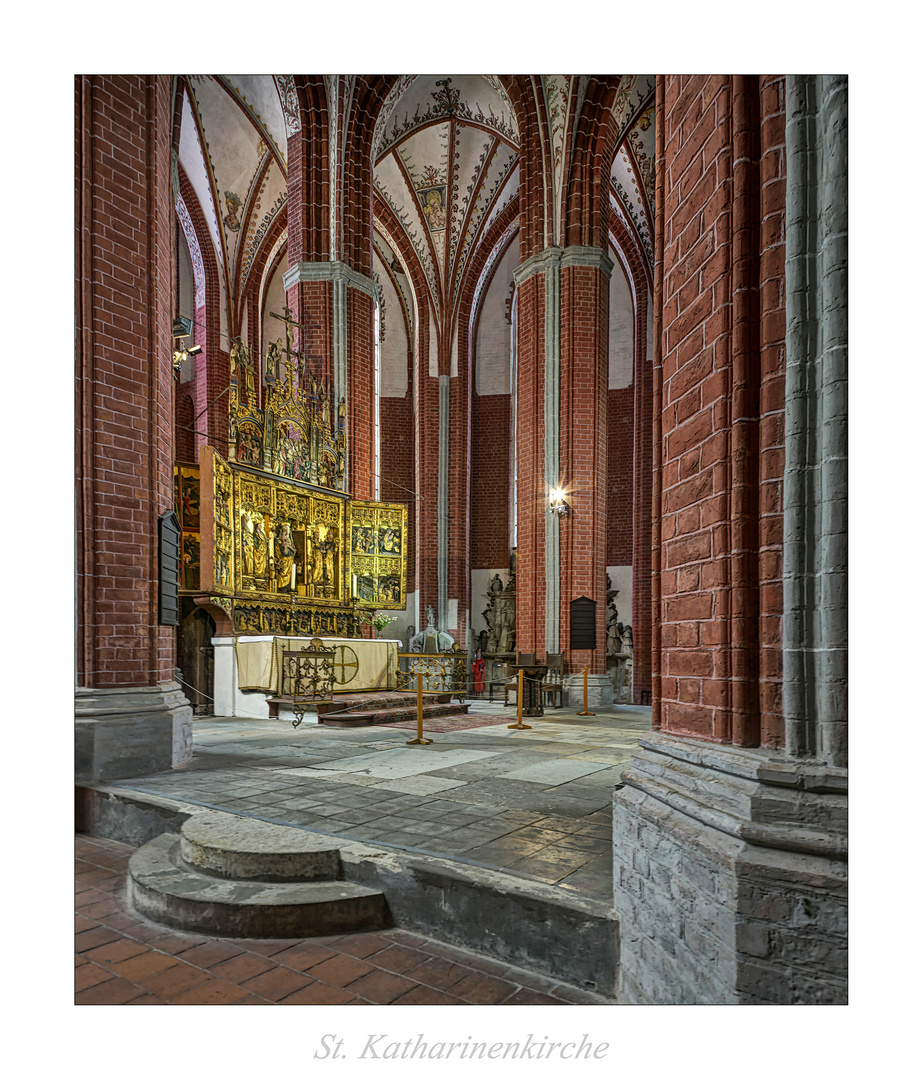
169	569
583	623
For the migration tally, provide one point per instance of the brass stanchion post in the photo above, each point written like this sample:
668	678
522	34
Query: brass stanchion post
519	725
419	740
586	711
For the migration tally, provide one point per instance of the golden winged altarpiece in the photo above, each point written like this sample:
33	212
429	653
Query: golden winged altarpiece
269	535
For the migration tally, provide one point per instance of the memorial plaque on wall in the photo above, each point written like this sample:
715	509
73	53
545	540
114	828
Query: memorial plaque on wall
583	623
169	570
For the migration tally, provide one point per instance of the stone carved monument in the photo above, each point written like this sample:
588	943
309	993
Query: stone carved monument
500	616
497	644
619	650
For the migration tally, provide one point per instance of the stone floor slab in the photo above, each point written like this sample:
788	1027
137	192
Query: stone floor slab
399	763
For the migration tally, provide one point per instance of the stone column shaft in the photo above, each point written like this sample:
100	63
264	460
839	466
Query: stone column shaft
814	542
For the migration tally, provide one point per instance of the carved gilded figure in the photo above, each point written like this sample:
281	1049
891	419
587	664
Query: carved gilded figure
389	541
284	559
363	540
246	542
260	548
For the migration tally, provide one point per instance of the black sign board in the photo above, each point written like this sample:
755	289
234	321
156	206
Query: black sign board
169	569
583	623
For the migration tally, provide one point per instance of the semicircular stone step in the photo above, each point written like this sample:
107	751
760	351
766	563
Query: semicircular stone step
166	890
247	849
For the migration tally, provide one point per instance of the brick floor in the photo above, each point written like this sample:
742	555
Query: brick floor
122	959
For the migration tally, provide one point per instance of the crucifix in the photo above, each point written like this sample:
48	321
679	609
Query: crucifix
290	325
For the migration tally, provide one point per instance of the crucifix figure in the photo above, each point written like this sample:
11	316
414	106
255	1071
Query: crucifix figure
290	325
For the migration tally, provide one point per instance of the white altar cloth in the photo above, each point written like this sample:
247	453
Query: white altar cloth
359	663
248	669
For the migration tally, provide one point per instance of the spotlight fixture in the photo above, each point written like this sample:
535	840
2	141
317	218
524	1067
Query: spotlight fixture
557	503
179	355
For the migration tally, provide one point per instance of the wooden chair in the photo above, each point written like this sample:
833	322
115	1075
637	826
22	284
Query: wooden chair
553	683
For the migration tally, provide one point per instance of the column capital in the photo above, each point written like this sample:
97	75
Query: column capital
328	271
576	255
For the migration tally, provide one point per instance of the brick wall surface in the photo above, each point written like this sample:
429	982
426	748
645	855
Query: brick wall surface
125	284
490	481
361	369
397	477
720	408
311	304
630	468
307	210
620	424
212	365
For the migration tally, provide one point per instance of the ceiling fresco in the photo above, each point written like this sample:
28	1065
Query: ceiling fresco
445	161
632	174
445	152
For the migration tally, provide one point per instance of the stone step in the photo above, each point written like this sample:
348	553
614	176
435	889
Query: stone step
370	717
246	849
163	888
370	701
380	699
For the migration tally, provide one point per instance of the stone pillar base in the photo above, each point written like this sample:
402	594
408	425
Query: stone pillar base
729	876
598	692
131	731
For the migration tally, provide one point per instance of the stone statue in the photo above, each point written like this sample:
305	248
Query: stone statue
500	616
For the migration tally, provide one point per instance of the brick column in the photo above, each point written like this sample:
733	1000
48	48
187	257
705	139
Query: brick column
335	303
562	442
531	494
729	855
815	539
131	714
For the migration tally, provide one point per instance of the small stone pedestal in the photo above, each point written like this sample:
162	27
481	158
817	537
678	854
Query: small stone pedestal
598	692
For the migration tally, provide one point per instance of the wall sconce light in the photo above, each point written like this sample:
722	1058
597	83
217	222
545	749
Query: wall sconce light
556	503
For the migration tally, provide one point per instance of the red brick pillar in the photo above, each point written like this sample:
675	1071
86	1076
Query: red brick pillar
584	446
132	717
562	395
332	300
531	496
